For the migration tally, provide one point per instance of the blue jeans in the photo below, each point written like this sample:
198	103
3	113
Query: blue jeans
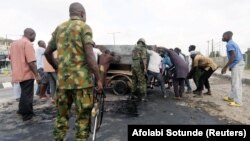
159	78
187	83
52	77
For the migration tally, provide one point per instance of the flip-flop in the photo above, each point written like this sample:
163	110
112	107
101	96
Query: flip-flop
234	104
228	99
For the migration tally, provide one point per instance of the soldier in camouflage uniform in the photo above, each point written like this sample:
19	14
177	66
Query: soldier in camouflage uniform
139	69
73	42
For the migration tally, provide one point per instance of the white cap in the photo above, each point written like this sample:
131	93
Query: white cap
193	52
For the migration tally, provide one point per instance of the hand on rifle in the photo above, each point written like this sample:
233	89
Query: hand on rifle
99	88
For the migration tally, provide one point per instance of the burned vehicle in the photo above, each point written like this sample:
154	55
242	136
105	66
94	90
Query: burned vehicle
119	74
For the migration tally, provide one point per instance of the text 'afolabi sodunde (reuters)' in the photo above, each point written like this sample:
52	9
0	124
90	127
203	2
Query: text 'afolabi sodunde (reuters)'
194	132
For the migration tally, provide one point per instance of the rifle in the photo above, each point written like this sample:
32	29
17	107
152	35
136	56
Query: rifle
97	112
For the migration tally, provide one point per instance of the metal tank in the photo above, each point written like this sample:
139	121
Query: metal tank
119	74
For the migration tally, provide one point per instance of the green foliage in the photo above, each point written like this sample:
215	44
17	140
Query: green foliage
3	40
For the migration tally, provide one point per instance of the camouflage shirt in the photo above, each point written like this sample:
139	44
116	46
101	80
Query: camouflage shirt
69	39
138	54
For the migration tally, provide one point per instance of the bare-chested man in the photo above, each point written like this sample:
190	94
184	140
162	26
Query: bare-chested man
105	60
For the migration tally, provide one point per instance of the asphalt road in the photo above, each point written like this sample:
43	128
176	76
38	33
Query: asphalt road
6	95
157	111
119	114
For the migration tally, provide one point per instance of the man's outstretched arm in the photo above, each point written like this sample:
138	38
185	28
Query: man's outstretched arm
230	61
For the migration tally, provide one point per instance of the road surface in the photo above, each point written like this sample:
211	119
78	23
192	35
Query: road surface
120	113
6	95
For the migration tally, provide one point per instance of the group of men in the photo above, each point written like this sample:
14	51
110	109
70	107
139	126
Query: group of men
71	60
175	66
75	64
162	64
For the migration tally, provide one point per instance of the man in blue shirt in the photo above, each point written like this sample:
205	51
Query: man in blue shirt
236	66
167	69
166	61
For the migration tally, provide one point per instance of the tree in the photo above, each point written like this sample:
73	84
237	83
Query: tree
248	58
4	40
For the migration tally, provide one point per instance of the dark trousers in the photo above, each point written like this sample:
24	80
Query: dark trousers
159	78
196	76
26	99
179	86
203	80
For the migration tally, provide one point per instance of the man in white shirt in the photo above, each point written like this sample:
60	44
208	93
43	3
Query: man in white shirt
97	53
154	69
40	54
39	63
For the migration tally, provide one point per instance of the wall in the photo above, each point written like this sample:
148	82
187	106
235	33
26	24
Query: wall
220	61
248	58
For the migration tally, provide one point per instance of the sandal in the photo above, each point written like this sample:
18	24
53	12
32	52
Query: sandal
228	99
234	104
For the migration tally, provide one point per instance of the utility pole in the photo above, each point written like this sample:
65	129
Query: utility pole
6	38
208	48
113	34
220	47
213	53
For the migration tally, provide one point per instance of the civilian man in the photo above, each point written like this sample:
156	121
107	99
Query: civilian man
236	65
208	66
154	70
24	71
40	66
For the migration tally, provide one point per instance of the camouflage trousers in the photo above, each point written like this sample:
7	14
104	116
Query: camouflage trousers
139	81
83	99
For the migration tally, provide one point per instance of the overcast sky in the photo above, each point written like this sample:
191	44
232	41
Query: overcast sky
169	23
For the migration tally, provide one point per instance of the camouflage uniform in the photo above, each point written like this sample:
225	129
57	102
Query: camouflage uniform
138	78
74	77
